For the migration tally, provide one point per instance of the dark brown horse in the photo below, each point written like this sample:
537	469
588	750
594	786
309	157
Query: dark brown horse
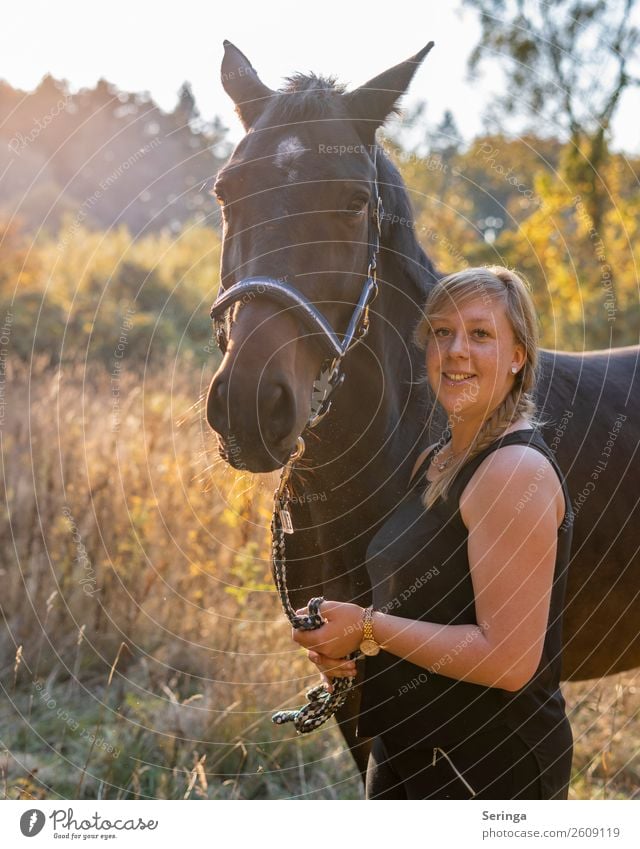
298	202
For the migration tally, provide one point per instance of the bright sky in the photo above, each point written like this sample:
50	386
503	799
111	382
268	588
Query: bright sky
153	46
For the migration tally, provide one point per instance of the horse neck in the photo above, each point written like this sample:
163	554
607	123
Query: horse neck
384	396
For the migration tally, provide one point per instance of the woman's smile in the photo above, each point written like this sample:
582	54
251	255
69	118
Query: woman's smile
455	378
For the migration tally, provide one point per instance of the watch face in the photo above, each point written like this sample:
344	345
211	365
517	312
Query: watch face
369	647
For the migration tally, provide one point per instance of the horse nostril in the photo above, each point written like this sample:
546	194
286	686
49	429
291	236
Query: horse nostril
216	404
277	413
221	391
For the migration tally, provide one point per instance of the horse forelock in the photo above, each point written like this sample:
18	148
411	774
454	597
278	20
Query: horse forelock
307	97
312	82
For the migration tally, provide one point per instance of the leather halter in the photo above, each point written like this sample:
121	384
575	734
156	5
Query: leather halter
335	349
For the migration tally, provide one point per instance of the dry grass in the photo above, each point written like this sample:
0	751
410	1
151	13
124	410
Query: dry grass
122	527
605	719
142	648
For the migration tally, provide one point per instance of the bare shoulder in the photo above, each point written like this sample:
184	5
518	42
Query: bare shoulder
510	478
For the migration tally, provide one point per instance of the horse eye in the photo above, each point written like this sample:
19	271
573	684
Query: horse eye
357	204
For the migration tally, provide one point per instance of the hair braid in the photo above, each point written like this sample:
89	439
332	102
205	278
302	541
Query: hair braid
517	404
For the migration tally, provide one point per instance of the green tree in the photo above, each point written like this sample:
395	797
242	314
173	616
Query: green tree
569	64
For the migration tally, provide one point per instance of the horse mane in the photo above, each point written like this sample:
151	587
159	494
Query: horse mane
399	239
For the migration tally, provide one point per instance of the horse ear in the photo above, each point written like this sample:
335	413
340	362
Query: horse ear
371	104
242	84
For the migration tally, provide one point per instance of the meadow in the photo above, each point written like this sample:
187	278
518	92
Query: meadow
143	649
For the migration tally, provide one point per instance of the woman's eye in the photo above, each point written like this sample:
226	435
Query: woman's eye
440	331
480	331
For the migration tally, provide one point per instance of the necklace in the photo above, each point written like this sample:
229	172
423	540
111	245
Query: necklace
445	463
442	466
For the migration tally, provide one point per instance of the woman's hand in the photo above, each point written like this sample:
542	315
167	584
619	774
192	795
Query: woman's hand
331	667
339	636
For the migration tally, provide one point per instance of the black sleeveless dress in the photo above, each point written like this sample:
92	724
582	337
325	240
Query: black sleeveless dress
419	569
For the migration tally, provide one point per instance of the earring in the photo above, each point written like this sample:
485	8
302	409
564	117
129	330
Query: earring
514	369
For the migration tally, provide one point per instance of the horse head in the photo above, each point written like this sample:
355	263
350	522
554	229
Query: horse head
301	220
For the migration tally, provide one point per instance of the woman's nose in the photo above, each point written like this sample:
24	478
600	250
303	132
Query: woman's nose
459	345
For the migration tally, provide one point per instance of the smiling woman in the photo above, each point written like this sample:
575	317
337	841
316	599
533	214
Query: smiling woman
480	336
461	689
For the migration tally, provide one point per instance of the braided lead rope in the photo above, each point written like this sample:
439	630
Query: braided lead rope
321	704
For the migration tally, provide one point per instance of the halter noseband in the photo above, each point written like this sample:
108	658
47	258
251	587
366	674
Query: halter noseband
312	319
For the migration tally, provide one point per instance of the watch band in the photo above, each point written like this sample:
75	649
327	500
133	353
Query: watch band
369	646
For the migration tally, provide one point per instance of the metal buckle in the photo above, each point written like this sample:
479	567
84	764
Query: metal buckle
282	495
323	388
221	334
378	212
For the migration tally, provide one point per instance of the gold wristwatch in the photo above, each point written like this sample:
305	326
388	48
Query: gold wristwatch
368	645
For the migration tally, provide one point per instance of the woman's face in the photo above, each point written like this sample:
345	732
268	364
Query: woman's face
470	352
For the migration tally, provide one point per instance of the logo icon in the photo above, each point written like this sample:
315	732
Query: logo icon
32	822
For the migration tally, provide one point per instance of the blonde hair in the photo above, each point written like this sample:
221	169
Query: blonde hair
493	282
